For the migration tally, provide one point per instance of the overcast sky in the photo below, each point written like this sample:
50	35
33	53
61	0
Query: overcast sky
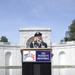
55	14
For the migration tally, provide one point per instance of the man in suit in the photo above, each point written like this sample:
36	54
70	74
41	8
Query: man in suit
38	42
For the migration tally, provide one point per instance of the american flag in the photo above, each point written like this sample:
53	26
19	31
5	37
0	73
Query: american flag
32	56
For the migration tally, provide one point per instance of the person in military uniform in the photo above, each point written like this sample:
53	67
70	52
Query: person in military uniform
38	42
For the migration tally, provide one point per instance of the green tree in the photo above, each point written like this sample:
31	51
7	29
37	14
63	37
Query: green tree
3	39
70	34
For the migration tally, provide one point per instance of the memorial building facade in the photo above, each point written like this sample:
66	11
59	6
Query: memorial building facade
63	62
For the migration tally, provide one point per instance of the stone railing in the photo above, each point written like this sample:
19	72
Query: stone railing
64	43
10	44
53	66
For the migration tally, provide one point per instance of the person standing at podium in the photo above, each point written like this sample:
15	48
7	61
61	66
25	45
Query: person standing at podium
38	42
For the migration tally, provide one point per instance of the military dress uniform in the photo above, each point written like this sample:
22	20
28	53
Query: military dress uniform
35	44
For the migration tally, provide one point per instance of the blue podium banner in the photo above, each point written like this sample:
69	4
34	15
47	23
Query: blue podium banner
43	56
37	56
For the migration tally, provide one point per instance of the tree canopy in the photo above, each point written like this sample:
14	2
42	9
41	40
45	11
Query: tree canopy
3	39
70	34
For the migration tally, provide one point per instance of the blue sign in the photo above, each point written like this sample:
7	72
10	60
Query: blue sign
43	56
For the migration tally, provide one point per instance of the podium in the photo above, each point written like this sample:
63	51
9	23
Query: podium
36	61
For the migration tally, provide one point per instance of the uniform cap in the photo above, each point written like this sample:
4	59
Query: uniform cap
38	34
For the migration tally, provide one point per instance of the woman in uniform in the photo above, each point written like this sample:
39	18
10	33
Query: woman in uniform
38	42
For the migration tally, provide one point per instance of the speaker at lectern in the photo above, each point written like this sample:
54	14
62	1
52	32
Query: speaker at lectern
36	61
